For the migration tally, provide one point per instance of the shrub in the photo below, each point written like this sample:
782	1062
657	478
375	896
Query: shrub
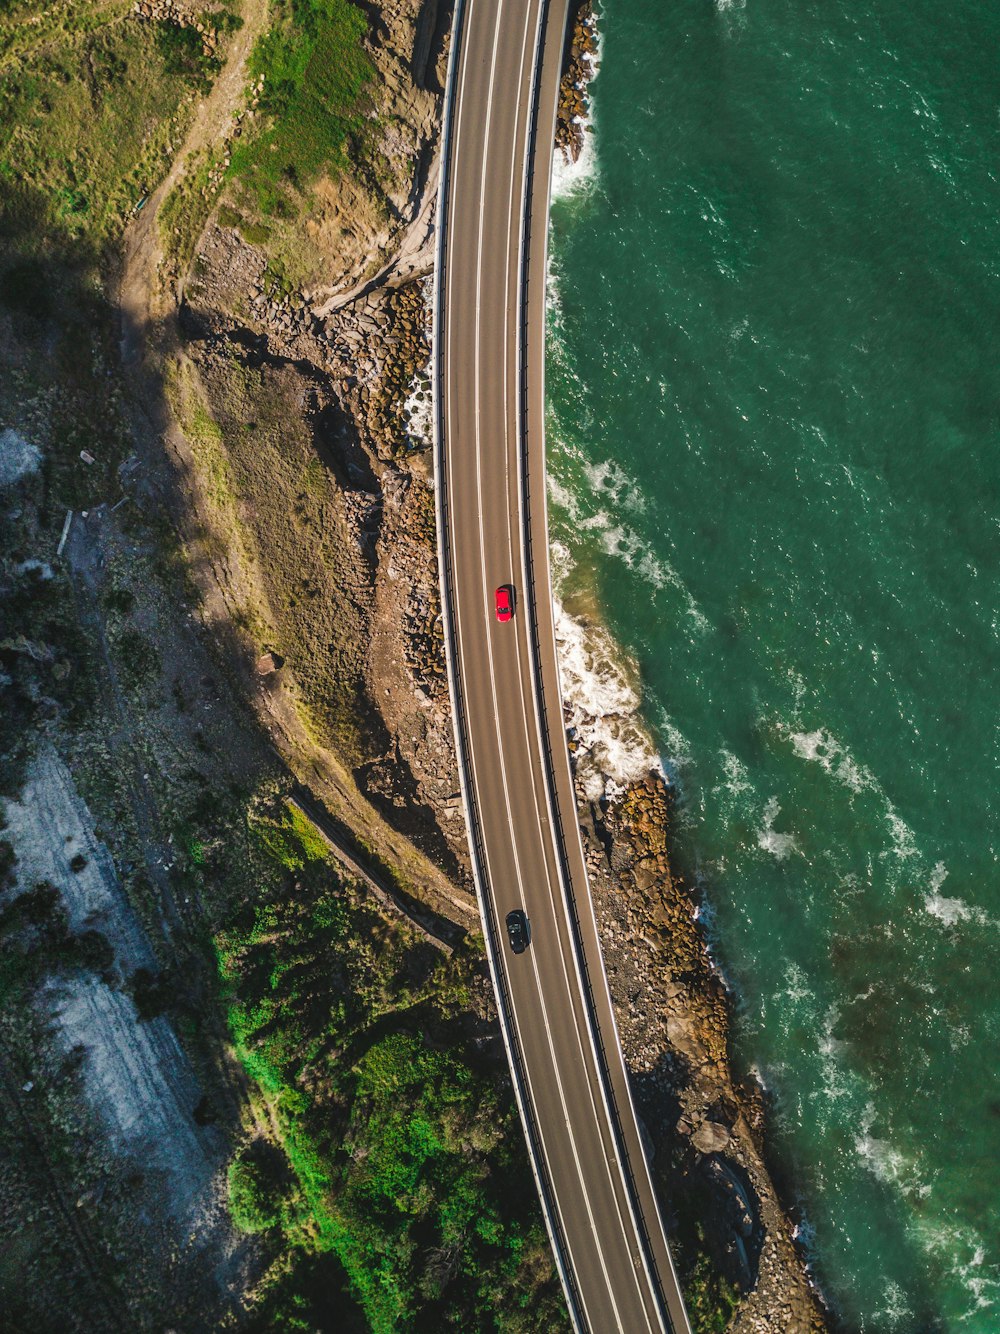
151	992
139	659
119	598
258	1178
93	950
8	860
183	53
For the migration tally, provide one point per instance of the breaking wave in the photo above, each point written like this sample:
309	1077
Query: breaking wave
824	749
612	745
780	846
572	178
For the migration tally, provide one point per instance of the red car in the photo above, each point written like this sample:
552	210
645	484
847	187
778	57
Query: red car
505	602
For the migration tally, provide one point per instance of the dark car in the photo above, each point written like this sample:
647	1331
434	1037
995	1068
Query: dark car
504	602
518	930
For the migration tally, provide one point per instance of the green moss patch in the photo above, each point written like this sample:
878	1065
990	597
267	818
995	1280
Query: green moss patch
314	69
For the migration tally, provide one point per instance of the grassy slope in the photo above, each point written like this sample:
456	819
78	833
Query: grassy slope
310	73
276	501
90	115
313	70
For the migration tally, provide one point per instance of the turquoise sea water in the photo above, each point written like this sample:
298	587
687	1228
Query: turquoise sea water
774	381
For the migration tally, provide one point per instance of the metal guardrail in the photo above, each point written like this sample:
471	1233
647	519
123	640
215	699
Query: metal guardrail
515	1058
546	733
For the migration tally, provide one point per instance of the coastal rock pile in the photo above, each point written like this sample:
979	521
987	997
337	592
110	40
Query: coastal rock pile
580	58
373	348
382	342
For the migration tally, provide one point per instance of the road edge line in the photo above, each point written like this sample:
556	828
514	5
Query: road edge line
518	1079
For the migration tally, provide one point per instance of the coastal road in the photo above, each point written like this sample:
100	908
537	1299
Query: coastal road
555	1009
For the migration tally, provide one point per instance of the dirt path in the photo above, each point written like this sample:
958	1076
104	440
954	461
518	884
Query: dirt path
141	297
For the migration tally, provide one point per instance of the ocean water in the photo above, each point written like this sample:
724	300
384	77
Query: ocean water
774	396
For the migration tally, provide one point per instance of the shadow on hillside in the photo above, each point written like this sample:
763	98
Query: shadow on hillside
62	342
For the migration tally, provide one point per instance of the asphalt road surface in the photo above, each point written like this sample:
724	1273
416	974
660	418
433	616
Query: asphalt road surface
556	1013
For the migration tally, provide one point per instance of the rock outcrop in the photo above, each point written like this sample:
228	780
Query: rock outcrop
673	1016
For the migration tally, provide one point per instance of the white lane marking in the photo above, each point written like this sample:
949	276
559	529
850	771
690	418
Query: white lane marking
516	194
459	642
552	822
550	1205
465	68
553	1061
493	687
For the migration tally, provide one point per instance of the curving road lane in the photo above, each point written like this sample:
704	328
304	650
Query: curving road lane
555	1008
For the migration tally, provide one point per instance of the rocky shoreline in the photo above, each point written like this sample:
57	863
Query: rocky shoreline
579	62
673	1013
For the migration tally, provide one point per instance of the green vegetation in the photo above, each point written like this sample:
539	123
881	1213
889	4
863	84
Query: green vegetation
183	53
292	840
58	667
258	1182
35	940
398	1156
138	657
86	126
314	69
711	1300
184	212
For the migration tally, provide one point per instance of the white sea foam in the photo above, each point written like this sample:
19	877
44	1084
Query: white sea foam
418	411
736	779
618	539
418	408
963	1251
571	178
902	838
838	1081
796	989
563	498
733	790
882	1158
822	747
893	1306
610	479
676	754
615	747
780	846
947	910
18	457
